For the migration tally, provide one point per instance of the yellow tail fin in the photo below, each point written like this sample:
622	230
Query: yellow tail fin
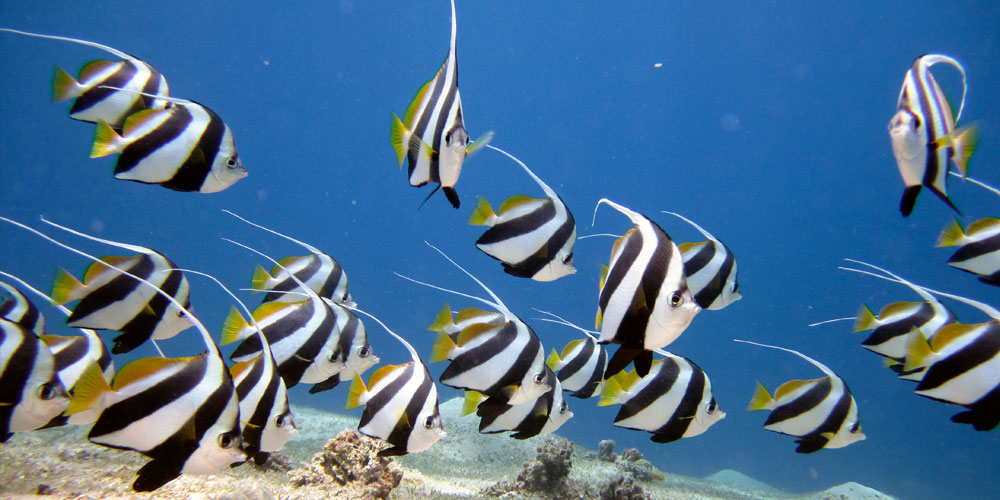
106	141
66	288
355	392
866	320
610	392
64	86
88	390
396	134
952	235
442	348
233	328
442	319
761	399
472	400
261	279
482	213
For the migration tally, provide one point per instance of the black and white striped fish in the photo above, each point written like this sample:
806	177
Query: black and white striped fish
452	324
401	404
186	147
30	391
16	308
532	237
111	300
544	415
580	369
72	355
321	272
820	412
108	91
645	303
979	248
710	268
498	359
894	322
432	136
673	401
181	412
925	141
961	366
308	338
266	421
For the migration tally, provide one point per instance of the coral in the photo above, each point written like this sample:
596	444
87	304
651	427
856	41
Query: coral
547	476
350	467
606	450
275	462
637	467
623	488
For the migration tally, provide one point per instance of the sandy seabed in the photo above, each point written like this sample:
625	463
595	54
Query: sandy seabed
61	464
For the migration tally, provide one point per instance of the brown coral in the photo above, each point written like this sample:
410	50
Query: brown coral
547	476
350	467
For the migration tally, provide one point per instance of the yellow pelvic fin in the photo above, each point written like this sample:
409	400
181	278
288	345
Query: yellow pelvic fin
64	86
354	393
761	399
442	319
442	348
482	214
88	390
951	236
234	328
106	141
66	288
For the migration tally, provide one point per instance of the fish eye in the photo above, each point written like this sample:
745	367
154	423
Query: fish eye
429	423
563	408
47	391
539	378
856	427
232	162
226	440
676	299
363	352
567	259
711	406
280	421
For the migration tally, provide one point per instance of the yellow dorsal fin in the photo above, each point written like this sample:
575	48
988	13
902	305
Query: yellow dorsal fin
442	319
761	399
951	332
684	247
572	344
620	241
355	392
94	67
603	276
516	201
66	288
106	265
261	279
287	262
140	118
792	386
897	308
984	224
383	372
473	331
414	106
53	341
442	348
269	309
237	369
145	367
471	314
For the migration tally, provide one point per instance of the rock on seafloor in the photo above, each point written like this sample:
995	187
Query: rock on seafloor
61	464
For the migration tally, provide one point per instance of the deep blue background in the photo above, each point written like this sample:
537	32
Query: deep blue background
766	124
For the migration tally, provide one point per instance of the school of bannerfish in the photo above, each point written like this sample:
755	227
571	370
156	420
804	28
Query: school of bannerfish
196	415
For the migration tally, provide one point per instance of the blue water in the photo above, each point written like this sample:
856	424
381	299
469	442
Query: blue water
766	124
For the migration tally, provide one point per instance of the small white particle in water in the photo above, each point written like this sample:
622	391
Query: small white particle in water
729	122
266	62
658	65
354	202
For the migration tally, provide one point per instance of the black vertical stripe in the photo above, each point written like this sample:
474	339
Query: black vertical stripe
115	290
632	330
630	251
312	265
902	326
400	435
686	411
802	404
73	349
142	326
417	134
174	126
378	400
976	249
984	347
95	95
191	174
16	370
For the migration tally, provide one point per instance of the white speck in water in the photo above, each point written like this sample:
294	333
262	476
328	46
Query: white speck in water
729	122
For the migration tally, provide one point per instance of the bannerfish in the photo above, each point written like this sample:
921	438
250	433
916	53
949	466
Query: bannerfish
186	147
266	421
531	237
180	412
112	300
72	355
925	141
962	366
432	136
894	323
710	268
645	303
673	401
30	391
16	308
820	412
580	368
452	324
107	91
498	359
315	341
401	404
979	248
544	415
321	272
